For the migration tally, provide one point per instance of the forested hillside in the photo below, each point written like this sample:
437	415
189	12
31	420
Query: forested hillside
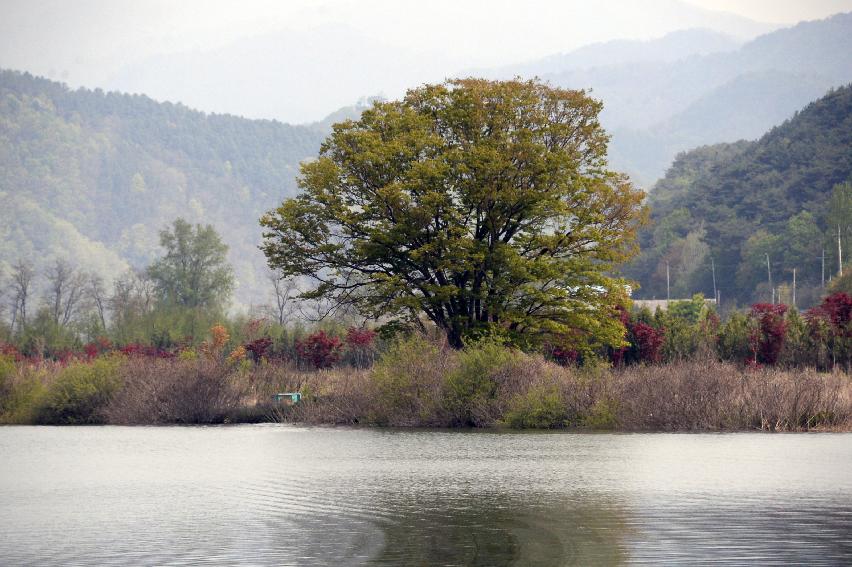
692	88
93	176
782	197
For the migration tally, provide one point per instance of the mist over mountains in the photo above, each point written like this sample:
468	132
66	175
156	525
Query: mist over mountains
303	72
657	105
663	96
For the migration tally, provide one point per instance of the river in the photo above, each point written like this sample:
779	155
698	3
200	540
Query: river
287	495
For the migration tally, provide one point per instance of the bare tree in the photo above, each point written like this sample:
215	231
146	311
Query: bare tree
3	292
66	286
97	296
283	290
133	294
22	281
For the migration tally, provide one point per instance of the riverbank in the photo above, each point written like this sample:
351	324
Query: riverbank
420	383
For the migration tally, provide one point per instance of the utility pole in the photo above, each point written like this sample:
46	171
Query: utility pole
713	267
794	288
839	254
823	266
769	276
668	288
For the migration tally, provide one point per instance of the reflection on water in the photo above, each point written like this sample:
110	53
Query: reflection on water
299	496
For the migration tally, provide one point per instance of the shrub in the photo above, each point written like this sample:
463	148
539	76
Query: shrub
800	349
408	381
214	347
831	324
645	343
320	350
23	393
471	389
7	370
80	392
18	393
767	338
602	415
734	343
258	349
178	391
542	407
360	347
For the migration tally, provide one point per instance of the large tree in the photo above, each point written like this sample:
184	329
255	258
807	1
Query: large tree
486	206
195	270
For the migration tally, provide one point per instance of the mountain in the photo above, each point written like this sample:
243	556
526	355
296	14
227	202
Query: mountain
93	176
740	109
779	198
671	47
308	67
669	95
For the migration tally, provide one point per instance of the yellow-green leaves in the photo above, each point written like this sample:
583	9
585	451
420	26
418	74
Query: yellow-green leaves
480	205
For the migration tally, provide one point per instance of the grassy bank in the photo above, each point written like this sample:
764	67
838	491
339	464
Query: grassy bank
425	384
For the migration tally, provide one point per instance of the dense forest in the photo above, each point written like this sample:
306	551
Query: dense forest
94	176
735	207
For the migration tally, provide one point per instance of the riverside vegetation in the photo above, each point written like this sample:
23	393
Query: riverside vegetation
683	370
478	226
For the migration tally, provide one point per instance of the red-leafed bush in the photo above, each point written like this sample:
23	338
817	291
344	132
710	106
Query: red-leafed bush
10	351
320	350
97	347
136	349
258	349
360	347
836	310
767	339
358	337
91	351
563	356
646	342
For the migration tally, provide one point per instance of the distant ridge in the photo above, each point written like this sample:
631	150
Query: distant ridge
94	176
666	96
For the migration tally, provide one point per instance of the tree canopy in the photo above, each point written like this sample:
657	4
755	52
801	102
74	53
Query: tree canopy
485	206
195	271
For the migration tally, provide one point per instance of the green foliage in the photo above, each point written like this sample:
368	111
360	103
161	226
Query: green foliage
7	371
80	391
842	283
407	380
22	396
541	407
194	273
783	195
734	344
471	389
800	348
688	311
603	414
421	208
92	175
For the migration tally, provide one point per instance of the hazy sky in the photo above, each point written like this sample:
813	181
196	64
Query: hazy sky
88	42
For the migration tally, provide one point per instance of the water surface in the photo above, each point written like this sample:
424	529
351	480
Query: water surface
284	495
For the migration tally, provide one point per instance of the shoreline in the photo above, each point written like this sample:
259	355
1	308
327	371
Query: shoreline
419	385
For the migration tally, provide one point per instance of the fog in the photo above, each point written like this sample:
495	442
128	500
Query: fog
124	44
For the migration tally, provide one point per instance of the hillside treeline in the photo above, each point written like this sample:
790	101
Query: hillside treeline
756	212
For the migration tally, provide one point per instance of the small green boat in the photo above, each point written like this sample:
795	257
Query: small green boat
287	398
